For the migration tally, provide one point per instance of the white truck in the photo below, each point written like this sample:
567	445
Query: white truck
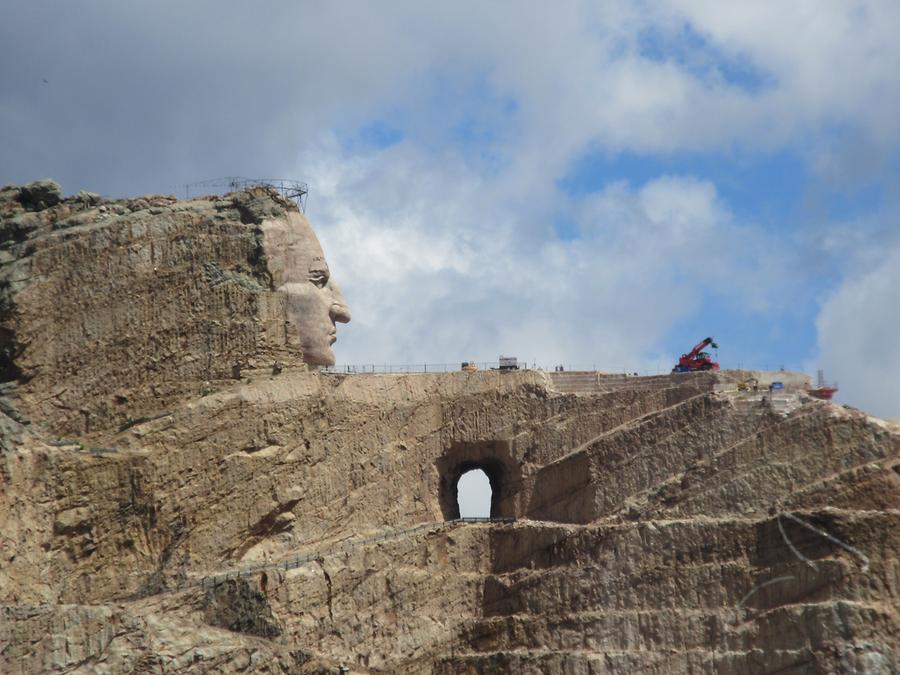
509	363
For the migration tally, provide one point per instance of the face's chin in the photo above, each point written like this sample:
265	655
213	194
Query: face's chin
318	355
308	310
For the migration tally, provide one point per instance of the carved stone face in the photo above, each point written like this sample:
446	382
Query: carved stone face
313	302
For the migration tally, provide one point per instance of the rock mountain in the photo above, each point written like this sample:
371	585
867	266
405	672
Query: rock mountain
182	490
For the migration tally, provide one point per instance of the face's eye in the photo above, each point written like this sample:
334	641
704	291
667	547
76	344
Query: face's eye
318	277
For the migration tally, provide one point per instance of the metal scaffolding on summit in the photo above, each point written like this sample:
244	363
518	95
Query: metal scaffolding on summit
287	188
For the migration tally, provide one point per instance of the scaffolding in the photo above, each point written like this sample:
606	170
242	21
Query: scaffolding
289	189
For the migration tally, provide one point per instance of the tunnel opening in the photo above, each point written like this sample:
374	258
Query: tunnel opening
473	494
492	471
488	459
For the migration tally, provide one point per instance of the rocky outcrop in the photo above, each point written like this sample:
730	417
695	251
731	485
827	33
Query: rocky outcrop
290	520
113	311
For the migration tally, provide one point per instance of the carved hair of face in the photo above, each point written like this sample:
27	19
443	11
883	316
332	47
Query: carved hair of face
313	302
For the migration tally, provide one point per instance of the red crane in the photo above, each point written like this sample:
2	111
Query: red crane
697	359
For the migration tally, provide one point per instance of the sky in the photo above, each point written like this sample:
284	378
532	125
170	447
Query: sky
594	184
474	494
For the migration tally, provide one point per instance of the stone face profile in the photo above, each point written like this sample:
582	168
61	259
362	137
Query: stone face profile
313	302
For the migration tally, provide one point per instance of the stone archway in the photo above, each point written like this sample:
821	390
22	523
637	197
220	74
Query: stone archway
494	459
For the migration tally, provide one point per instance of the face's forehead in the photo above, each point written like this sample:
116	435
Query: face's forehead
301	241
292	249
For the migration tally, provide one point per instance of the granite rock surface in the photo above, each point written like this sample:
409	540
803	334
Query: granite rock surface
181	492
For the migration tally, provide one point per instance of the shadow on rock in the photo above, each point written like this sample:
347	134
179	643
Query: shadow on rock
238	607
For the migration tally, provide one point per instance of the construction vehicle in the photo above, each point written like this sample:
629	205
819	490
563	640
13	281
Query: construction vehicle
823	390
469	366
509	363
748	384
697	359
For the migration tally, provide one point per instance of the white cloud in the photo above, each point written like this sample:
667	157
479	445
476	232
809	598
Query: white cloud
831	69
858	330
242	92
447	274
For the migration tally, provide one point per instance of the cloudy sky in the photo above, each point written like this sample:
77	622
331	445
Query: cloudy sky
598	184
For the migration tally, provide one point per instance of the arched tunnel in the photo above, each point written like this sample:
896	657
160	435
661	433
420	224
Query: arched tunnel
492	457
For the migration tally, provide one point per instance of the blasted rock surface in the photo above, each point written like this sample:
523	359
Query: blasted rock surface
176	518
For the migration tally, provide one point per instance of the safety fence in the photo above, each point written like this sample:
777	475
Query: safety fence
286	187
384	368
392	368
644	370
299	561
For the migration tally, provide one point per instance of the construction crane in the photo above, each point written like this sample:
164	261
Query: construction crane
697	359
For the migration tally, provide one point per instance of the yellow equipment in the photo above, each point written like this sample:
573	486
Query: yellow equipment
748	384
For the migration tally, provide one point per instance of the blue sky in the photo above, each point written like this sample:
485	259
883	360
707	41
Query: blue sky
765	190
583	183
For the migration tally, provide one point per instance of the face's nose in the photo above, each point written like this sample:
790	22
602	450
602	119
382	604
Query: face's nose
338	310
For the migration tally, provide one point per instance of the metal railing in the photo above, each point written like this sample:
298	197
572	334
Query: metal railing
379	368
456	366
287	188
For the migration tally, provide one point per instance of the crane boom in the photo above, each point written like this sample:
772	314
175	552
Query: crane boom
699	347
